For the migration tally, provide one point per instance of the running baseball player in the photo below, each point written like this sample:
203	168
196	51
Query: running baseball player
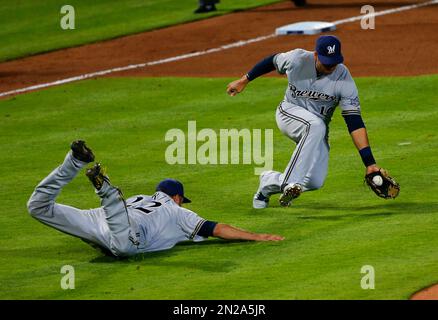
140	224
318	83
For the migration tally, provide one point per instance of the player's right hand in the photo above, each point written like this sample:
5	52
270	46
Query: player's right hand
269	237
237	86
372	168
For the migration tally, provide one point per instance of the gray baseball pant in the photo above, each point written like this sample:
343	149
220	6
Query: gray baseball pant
309	162
108	226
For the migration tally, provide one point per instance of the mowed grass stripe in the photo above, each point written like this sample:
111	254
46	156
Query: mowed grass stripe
31	27
330	233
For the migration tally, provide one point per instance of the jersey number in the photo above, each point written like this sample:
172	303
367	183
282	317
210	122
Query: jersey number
148	207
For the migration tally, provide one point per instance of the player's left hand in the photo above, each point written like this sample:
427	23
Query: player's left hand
382	183
269	237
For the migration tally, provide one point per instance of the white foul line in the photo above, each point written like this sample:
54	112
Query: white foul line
137	66
199	53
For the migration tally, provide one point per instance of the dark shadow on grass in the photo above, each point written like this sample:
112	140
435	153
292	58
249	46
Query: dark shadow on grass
158	258
384	210
60	250
211	242
107	259
206	265
343	216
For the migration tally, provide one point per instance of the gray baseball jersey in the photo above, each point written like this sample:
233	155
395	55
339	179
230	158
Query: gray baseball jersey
319	95
161	222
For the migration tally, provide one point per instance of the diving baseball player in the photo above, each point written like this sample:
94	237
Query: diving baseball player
140	224
318	83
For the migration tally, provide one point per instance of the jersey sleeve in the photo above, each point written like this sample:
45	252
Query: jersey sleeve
349	96
286	60
191	224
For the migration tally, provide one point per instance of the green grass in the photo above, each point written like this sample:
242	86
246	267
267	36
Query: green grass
330	233
30	26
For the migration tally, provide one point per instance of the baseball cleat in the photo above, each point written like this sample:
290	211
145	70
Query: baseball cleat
206	8
81	151
290	192
260	201
97	176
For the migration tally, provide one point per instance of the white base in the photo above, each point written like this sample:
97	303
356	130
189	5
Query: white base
307	27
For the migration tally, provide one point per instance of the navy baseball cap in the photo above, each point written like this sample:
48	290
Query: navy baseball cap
172	187
329	50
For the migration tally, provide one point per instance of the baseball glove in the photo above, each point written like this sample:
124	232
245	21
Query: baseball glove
382	184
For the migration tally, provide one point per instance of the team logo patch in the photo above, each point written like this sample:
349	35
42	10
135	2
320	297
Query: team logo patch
354	102
331	49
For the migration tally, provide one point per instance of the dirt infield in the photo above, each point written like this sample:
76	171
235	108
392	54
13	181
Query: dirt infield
402	44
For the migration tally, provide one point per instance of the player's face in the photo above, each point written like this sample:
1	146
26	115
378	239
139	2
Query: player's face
324	68
178	199
328	68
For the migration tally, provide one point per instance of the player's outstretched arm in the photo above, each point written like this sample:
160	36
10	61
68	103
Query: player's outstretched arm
228	232
264	66
360	139
359	135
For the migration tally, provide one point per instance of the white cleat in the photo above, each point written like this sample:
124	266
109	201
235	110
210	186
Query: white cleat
290	192
260	201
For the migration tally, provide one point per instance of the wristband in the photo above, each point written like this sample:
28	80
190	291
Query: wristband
367	156
207	229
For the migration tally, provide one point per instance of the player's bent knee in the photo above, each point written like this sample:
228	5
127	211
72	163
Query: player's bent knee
122	250
33	207
316	184
37	208
318	128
